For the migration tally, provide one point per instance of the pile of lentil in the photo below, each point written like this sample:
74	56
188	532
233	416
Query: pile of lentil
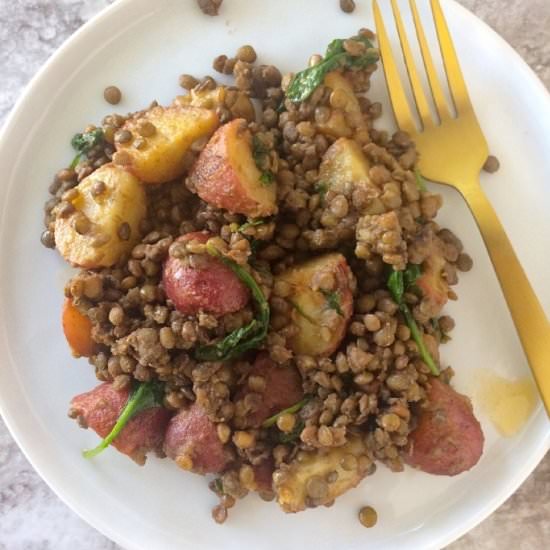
373	382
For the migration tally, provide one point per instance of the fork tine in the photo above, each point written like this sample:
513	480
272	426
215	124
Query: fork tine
398	98
457	85
416	85
435	85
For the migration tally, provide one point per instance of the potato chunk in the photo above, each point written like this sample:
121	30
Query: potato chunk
104	226
320	293
320	476
213	287
345	109
236	101
170	133
342	163
448	439
226	176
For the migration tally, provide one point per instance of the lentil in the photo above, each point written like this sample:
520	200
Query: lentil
112	95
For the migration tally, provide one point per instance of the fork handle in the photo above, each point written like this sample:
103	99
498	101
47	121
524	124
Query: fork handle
531	323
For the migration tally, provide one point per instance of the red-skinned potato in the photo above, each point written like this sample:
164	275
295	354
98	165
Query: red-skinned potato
283	388
170	134
78	330
226	176
99	410
192	441
448	439
213	287
321	313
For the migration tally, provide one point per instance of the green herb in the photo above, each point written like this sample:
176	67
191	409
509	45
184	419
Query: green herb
305	82
294	434
83	143
333	301
267	177
218	484
260	154
245	338
420	181
398	282
144	396
272	420
321	188
251	223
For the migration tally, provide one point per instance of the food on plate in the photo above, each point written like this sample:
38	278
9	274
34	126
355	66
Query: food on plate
319	293
448	439
154	144
101	408
195	282
271	311
321	475
192	441
98	221
227	173
78	330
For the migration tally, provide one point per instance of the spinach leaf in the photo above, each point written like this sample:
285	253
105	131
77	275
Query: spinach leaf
305	82
251	223
83	143
397	283
294	434
420	181
272	420
144	395
250	336
321	188
260	153
333	301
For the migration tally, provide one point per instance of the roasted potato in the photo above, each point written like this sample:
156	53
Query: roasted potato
226	176
320	293
342	163
211	287
448	439
78	330
346	116
435	289
99	410
283	388
305	483
192	441
103	226
170	133
236	101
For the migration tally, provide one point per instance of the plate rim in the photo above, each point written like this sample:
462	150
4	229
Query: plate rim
65	495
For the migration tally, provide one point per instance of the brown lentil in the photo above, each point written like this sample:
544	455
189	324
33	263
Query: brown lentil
368	516
112	95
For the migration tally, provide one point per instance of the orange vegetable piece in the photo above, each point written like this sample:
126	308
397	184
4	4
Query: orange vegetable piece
78	330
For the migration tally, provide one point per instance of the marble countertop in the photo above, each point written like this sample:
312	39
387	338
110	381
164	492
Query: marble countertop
31	516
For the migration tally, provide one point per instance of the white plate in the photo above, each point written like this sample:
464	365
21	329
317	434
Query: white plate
142	46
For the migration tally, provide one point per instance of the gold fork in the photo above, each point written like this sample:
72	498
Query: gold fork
452	152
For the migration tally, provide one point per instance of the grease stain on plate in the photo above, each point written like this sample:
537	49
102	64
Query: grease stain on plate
507	403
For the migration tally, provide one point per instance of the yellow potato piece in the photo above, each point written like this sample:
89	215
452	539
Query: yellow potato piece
163	156
348	108
343	465
122	201
344	162
235	100
321	317
206	99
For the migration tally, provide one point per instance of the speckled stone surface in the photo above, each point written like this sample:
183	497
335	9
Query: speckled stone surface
31	516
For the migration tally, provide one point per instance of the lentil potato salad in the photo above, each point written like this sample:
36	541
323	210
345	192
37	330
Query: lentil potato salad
260	285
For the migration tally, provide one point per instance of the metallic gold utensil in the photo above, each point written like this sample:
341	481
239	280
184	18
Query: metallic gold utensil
452	152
